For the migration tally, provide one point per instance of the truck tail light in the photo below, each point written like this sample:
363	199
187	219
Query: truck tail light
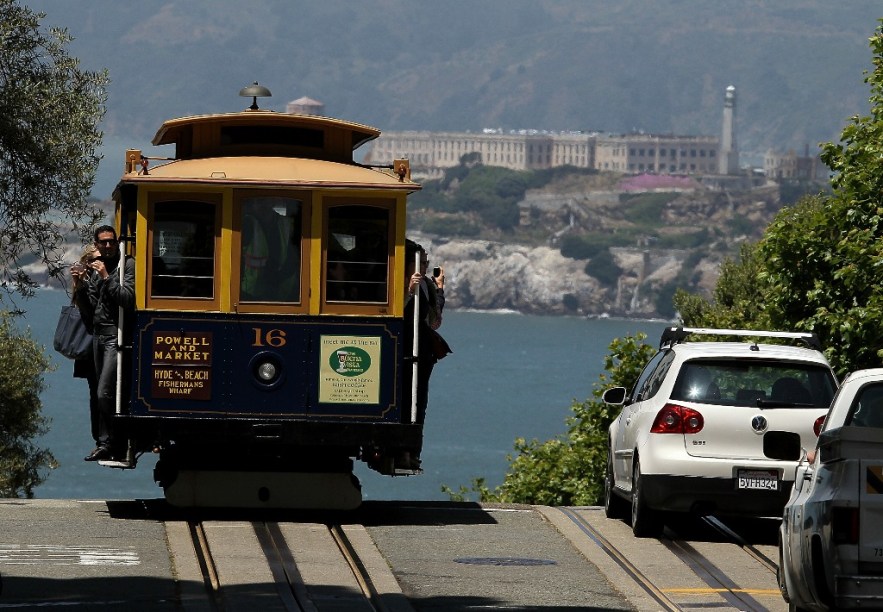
672	418
817	426
844	525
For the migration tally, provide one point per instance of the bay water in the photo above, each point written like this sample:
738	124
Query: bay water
510	376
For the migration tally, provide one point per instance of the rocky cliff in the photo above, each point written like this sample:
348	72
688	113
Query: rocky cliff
488	275
499	274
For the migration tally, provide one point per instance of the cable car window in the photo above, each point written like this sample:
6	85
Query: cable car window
270	252
358	254
183	250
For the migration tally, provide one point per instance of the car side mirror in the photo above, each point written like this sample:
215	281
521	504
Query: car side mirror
614	395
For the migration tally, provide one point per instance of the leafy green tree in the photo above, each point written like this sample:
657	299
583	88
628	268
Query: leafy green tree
825	258
49	112
512	187
22	365
569	470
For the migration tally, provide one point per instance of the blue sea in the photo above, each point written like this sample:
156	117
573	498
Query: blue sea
510	376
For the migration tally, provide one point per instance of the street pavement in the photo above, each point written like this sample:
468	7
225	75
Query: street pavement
115	555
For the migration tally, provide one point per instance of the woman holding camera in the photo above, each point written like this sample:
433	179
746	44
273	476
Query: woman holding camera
85	367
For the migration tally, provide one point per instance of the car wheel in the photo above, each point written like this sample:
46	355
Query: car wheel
615	507
646	522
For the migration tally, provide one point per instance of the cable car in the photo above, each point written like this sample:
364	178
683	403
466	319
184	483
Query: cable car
265	352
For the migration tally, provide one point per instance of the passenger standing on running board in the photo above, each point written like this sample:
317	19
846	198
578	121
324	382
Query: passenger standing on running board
107	290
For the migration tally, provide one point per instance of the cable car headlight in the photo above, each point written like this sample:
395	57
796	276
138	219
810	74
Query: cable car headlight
266	370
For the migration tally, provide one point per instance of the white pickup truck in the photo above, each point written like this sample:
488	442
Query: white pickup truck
831	538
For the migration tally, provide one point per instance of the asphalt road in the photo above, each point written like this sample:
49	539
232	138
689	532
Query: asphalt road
139	555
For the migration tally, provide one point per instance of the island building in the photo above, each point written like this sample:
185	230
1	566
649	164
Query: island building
305	106
431	153
790	165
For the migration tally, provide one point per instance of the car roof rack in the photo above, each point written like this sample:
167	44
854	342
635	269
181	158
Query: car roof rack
676	335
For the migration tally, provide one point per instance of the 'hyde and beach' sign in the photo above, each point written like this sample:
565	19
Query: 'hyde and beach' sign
181	366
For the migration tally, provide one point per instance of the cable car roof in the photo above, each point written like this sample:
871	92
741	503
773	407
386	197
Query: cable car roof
272	171
264	132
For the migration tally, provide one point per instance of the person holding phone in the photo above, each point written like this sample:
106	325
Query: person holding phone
438	281
423	295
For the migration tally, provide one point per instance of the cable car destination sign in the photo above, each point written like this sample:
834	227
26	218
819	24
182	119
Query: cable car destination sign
181	367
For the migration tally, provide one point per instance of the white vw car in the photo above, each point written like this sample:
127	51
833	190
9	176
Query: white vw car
715	427
831	537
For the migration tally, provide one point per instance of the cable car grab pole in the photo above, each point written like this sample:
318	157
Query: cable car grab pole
121	271
416	342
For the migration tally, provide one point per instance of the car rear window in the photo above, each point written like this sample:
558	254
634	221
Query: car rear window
733	382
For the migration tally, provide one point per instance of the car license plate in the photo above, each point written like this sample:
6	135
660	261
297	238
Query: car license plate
765	480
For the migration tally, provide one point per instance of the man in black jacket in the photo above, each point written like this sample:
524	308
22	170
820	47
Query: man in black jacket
107	289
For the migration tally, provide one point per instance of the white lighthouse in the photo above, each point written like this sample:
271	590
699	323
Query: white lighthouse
728	162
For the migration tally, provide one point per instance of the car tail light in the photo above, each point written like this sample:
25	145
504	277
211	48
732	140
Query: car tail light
672	418
817	426
844	525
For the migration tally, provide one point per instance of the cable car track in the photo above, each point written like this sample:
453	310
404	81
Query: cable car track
681	576
614	553
357	566
753	551
716	579
206	565
288	580
285	558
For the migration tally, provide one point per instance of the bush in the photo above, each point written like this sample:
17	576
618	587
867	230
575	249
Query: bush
690	240
22	364
645	208
580	247
586	246
451	225
603	267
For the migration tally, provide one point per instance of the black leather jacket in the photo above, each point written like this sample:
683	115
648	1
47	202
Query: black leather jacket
100	299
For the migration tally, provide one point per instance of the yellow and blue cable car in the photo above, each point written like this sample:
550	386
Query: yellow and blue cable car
265	352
